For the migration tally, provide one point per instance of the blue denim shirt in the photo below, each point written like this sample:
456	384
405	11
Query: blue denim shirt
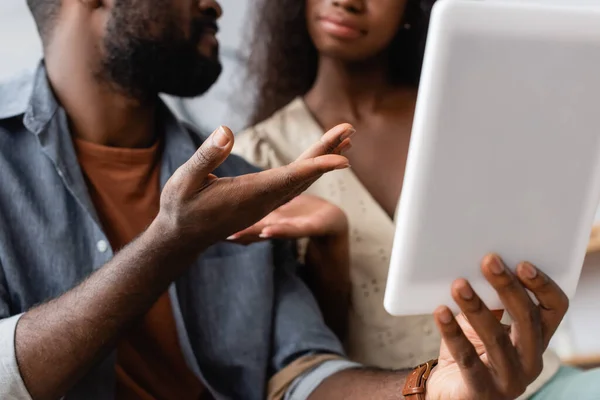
242	314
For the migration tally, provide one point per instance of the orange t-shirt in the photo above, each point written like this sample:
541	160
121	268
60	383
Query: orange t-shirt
124	186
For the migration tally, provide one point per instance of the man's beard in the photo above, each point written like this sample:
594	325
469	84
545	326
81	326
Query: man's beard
142	66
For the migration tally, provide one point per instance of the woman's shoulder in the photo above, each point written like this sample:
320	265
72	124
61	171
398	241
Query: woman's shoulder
280	139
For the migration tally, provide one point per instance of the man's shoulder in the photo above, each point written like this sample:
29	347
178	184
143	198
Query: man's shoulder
15	93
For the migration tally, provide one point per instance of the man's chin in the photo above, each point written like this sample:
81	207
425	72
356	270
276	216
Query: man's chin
209	51
196	84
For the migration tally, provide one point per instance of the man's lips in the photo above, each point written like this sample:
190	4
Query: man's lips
203	28
211	28
340	28
205	35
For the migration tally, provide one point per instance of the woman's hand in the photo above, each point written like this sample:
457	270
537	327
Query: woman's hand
327	258
483	359
306	216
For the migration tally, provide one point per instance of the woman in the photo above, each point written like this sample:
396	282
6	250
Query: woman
318	63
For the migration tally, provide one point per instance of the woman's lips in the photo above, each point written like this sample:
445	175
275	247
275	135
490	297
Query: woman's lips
339	28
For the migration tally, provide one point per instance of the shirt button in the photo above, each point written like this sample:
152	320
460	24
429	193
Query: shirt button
102	246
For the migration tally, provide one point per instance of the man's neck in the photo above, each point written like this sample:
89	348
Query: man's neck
97	112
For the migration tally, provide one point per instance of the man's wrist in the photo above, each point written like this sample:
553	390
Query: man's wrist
415	387
171	239
428	384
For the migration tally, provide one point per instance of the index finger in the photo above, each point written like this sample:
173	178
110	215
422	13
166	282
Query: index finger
329	141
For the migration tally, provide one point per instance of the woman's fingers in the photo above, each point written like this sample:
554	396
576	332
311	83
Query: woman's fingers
526	328
281	230
554	303
254	230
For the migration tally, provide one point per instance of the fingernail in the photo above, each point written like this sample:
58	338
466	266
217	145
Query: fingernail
445	316
344	166
264	236
529	271
466	292
496	266
221	138
346	147
348	134
232	237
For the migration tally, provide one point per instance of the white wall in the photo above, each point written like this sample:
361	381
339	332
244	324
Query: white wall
19	43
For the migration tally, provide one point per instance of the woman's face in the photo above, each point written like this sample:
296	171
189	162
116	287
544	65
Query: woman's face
353	30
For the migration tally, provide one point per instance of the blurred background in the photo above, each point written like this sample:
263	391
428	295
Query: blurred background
577	340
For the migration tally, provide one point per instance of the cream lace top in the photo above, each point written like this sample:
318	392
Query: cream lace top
375	337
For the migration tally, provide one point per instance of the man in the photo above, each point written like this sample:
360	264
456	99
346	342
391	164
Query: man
115	280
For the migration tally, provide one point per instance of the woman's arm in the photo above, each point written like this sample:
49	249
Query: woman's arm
328	277
327	256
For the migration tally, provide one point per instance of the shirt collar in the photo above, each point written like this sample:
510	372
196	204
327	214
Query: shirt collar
46	118
42	104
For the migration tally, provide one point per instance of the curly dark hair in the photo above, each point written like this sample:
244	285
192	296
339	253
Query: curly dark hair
283	60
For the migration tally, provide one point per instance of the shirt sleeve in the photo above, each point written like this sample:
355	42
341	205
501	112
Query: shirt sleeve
303	386
298	327
12	386
281	382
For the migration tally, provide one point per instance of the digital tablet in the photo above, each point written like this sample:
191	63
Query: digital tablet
505	150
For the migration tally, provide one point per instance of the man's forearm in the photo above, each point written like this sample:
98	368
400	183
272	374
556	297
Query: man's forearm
58	342
359	384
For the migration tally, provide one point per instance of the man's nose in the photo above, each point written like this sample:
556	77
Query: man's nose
211	8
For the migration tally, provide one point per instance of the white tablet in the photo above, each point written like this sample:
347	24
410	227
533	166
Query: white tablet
505	150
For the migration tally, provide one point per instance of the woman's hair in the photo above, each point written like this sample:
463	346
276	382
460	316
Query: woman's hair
283	60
